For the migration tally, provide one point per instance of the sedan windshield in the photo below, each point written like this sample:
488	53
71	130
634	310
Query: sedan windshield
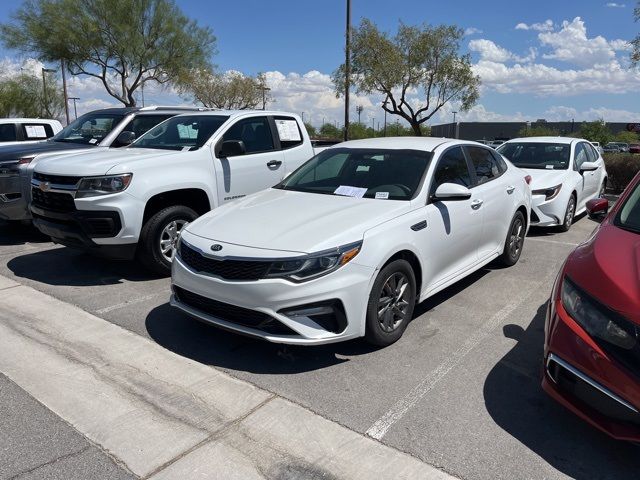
552	156
629	215
89	129
184	132
360	172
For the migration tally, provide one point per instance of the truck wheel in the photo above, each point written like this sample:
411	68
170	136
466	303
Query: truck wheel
391	303
160	235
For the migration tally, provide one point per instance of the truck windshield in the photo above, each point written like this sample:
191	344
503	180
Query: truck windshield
361	172
184	132
552	156
89	129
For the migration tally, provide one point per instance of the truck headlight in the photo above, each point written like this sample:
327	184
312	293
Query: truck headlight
314	265
549	193
94	186
597	320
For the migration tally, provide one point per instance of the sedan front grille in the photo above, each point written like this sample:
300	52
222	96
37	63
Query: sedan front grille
246	270
59	202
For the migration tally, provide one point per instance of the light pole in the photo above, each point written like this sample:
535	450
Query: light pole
64	91
44	88
347	70
454	124
264	89
75	110
302	117
359	110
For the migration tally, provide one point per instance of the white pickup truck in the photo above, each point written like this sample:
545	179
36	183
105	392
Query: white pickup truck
135	201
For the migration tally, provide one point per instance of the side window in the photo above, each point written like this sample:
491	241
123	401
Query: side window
502	165
8	132
591	152
288	132
484	163
37	131
141	124
580	155
254	132
452	168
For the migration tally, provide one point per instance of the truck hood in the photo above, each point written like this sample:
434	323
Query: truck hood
542	178
14	152
96	163
295	221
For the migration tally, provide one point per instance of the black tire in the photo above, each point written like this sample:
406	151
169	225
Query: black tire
514	242
154	230
399	308
570	213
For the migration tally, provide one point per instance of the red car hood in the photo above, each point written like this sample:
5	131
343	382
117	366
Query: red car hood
607	266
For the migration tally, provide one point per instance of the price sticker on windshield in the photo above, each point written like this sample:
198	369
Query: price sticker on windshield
348	191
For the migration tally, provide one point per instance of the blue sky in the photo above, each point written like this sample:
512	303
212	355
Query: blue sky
532	64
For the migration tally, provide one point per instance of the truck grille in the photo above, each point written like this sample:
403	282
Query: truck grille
227	269
231	313
59	202
56	179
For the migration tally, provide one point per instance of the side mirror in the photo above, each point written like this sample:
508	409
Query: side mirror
452	191
597	208
125	138
588	167
232	148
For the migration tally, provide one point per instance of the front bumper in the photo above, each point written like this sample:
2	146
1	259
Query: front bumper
580	376
347	287
547	213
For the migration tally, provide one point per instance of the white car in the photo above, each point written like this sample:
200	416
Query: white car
566	173
21	130
134	201
346	245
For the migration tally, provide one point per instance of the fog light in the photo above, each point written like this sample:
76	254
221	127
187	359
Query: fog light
328	315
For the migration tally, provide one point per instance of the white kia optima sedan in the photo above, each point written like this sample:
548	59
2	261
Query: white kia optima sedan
347	244
566	173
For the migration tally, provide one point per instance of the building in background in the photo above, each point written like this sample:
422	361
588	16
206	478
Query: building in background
506	130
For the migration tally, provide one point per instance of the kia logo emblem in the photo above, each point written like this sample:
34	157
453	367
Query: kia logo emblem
216	247
45	186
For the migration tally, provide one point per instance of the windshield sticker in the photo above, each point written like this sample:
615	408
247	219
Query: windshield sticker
383	195
362	168
348	191
288	130
549	167
93	140
186	149
35	131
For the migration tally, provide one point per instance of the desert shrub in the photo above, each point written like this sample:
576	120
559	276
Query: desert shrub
621	168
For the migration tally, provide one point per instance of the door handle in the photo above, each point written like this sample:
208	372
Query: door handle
476	204
510	189
274	163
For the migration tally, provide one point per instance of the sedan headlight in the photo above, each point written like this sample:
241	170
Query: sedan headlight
597	320
549	193
94	186
314	265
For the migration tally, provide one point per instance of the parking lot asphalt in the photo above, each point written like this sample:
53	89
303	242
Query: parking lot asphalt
460	390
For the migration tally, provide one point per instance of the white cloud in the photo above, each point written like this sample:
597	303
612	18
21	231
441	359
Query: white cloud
545	26
472	31
491	52
615	5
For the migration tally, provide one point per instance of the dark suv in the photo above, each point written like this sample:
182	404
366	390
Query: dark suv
107	128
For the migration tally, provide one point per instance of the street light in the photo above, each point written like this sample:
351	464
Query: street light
359	110
44	88
264	89
454	124
347	70
302	117
75	110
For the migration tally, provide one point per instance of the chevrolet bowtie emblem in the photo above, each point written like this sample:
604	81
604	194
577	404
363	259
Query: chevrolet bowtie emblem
45	186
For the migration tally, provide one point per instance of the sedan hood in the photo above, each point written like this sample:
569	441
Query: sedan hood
607	266
14	152
294	221
96	162
543	178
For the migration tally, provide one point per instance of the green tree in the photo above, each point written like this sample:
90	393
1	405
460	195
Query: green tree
123	43
311	130
228	91
626	137
424	59
23	96
328	130
596	131
538	131
635	43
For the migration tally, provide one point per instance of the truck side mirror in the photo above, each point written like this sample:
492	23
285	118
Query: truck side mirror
232	148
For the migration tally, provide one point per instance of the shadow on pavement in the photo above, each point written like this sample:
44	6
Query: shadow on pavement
515	400
66	266
551	231
18	233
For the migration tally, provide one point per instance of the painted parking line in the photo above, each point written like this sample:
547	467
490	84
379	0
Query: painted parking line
164	416
379	429
133	301
546	240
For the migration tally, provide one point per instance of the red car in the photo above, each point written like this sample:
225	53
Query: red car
634	148
592	330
